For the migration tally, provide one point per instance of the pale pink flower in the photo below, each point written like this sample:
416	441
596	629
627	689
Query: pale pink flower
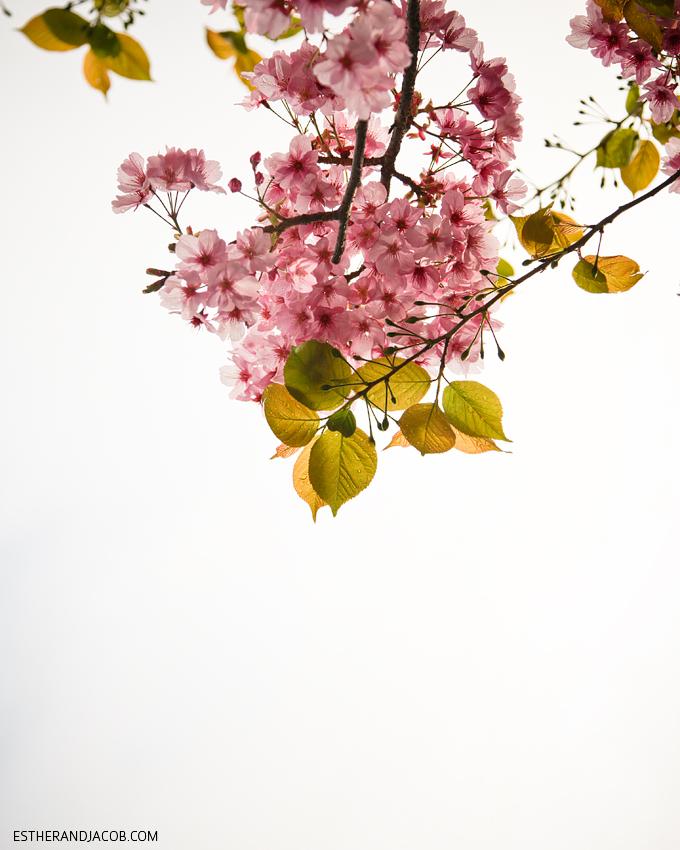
170	171
289	170
216	4
134	183
671	163
203	173
267	17
638	60
661	98
201	252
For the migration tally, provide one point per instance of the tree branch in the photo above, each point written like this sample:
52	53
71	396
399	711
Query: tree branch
361	130
402	120
544	264
307	218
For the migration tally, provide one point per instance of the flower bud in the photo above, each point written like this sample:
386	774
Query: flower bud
235	184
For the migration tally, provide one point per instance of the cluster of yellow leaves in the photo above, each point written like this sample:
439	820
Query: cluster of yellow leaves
338	460
60	30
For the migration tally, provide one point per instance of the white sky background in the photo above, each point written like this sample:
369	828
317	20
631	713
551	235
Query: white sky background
477	653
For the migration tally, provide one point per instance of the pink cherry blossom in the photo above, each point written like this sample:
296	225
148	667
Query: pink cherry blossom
134	183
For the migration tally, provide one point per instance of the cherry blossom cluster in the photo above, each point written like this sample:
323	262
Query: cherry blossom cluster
615	43
338	254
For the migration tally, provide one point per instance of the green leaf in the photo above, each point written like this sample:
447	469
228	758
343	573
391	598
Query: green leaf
504	268
131	62
633	104
105	43
111	8
662	8
535	232
644	26
341	467
310	368
427	429
57	29
233	37
342	421
97	76
668	130
536	229
406	387
473	409
617	148
611	9
612	274
67	26
302	484
292	422
643	168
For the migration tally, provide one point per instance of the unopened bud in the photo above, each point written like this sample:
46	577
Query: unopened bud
259	178
255	159
235	185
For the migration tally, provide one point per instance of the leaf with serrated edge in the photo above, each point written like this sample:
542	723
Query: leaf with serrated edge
643	168
426	428
302	484
291	421
42	36
313	365
132	62
283	450
614	274
407	386
473	445
341	467
398	440
473	409
96	74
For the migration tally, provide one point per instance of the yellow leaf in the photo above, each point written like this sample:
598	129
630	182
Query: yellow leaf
567	230
224	49
96	73
473	445
302	484
246	62
398	440
644	167
132	62
283	450
611	274
427	429
42	36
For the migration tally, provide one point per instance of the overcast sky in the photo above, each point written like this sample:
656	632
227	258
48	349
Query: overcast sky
477	653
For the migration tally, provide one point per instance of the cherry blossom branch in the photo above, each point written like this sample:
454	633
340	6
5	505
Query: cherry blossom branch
306	218
402	120
543	265
361	130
